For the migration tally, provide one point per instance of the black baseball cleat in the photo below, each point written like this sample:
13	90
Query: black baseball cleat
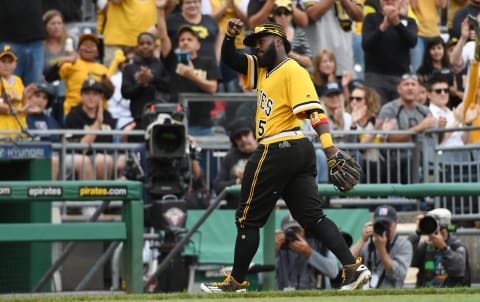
227	285
355	276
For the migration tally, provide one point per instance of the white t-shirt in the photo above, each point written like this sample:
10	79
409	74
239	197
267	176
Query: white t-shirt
326	32
455	139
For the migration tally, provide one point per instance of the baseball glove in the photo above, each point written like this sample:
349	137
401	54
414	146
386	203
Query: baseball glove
344	171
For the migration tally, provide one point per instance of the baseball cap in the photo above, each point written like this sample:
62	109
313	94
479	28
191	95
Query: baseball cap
239	125
43	87
287	4
188	28
7	51
267	29
289	222
442	216
85	37
332	89
91	84
385	213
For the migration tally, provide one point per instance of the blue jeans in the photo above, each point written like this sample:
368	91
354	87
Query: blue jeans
30	60
358	58
322	169
416	54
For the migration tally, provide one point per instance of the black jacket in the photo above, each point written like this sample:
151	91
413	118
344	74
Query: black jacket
156	91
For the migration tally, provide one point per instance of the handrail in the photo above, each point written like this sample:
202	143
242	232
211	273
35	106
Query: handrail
406	190
46	191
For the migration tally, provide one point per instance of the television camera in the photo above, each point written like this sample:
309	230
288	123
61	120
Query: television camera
167	177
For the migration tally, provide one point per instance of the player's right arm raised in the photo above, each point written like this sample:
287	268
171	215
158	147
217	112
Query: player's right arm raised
230	56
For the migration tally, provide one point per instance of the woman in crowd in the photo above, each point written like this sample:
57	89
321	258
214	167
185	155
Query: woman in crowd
282	14
436	61
364	105
324	72
58	45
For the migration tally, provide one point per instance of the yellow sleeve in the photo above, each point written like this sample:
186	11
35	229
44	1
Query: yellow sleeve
65	70
302	92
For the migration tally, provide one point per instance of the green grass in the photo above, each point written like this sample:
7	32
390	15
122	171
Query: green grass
394	295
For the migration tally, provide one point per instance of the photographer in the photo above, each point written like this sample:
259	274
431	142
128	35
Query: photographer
302	263
387	255
243	144
442	259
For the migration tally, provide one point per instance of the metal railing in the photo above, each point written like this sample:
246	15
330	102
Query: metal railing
426	163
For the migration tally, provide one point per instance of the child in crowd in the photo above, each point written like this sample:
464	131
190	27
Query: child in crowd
38	119
146	79
79	67
13	100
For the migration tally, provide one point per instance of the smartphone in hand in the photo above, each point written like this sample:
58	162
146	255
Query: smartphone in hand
183	57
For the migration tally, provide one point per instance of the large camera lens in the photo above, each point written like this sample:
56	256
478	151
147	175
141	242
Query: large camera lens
428	225
168	141
290	235
381	227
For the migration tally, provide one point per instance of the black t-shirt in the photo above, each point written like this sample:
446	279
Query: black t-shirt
70	9
198	112
207	30
78	119
21	21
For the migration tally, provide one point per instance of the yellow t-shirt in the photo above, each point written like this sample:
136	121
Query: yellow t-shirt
126	20
453	6
428	19
74	76
284	95
223	21
14	89
367	9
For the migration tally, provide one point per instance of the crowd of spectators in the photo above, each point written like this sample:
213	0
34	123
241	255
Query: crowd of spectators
359	53
376	65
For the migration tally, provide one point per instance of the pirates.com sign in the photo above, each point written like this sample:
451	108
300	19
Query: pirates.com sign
44	191
98	191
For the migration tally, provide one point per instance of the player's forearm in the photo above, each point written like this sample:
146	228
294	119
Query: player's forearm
231	57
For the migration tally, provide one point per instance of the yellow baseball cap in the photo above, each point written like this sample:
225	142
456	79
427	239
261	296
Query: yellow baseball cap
267	29
7	51
287	4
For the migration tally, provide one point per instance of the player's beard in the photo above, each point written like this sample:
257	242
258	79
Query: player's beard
269	55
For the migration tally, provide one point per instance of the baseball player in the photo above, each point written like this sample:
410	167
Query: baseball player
284	163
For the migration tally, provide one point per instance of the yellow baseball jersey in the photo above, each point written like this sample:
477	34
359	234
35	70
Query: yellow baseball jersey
14	89
283	96
74	76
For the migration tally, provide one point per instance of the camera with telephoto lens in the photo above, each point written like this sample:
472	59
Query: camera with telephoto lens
381	227
428	225
290	235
